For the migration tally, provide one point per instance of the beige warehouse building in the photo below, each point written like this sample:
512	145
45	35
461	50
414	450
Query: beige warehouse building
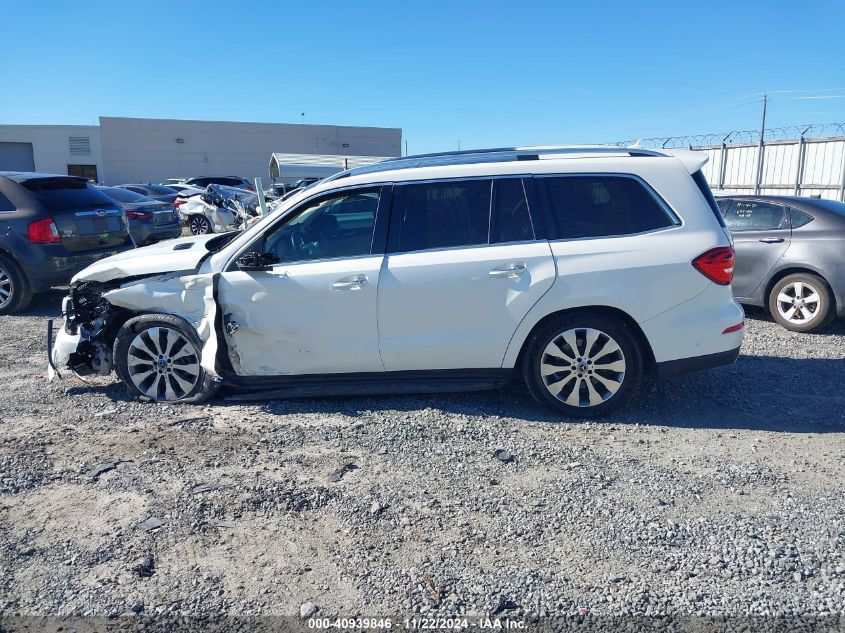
121	150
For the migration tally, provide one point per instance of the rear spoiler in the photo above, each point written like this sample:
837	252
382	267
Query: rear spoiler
690	159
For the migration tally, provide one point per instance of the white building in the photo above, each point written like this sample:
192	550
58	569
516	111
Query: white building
123	150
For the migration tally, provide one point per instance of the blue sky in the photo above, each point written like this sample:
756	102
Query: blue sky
488	73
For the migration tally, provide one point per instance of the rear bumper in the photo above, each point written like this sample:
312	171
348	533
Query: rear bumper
44	270
670	368
144	232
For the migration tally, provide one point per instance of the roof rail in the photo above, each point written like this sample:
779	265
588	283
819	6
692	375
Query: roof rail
496	155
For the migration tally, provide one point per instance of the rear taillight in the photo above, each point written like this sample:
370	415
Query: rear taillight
138	215
43	232
178	203
717	265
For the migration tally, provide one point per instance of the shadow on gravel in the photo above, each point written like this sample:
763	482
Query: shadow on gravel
837	326
45	304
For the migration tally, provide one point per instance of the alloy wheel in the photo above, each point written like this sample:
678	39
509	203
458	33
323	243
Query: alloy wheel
163	364
198	225
798	302
583	367
6	289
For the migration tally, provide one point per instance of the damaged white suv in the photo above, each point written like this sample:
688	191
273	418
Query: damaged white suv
578	269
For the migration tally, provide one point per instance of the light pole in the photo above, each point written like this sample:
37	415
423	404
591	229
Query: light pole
406	147
459	145
301	117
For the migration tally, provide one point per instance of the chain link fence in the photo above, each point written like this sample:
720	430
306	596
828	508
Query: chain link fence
800	160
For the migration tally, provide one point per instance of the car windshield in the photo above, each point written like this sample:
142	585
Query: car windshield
66	194
831	205
124	195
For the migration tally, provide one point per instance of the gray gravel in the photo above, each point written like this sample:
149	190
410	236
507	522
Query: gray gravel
716	493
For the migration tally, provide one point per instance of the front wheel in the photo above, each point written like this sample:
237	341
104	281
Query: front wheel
199	225
157	356
583	365
801	303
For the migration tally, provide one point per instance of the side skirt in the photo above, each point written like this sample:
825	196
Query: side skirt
365	384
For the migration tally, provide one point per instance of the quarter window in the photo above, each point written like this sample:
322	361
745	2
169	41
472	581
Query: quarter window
799	218
510	220
751	215
336	226
597	206
442	214
6	204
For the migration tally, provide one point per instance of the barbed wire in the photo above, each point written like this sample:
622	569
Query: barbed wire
740	137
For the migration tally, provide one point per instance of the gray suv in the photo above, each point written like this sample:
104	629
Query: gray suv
51	227
790	257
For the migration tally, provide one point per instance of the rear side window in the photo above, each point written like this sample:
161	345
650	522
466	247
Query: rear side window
442	214
598	206
510	220
751	215
704	188
6	204
67	194
799	218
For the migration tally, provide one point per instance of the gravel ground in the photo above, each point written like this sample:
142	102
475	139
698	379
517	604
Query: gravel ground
716	493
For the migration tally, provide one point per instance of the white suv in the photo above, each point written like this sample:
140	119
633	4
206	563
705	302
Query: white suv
577	269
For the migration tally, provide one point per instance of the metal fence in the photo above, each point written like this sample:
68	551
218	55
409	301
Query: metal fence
796	160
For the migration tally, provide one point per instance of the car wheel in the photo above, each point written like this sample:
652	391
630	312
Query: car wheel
157	356
15	293
583	365
801	303
199	225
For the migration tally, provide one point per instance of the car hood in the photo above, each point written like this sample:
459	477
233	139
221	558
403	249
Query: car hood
171	256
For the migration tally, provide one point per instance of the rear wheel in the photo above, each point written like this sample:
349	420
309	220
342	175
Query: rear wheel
583	365
157	356
801	303
15	293
199	225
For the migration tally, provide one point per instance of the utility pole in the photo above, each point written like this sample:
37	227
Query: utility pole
761	149
301	117
406	147
459	145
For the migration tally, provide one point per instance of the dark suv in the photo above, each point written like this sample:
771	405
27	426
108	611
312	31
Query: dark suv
51	227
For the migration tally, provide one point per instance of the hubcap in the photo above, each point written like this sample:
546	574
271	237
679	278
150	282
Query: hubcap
798	302
163	364
583	367
5	288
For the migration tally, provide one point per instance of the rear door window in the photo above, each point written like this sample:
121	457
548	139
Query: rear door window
58	195
440	214
600	206
510	220
752	215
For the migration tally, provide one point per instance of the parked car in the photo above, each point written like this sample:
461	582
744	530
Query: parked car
228	181
790	257
154	192
150	221
218	209
579	270
51	227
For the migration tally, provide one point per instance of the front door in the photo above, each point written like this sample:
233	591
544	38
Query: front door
761	234
458	279
314	312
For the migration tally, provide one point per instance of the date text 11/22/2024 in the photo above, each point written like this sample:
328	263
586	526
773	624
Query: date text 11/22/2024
418	623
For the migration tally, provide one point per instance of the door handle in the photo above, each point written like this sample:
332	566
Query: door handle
508	271
353	282
772	240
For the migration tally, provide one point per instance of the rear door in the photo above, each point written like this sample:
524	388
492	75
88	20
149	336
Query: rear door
86	218
458	279
761	234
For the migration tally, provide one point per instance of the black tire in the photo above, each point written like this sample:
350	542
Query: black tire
610	330
14	282
171	376
818	314
199	224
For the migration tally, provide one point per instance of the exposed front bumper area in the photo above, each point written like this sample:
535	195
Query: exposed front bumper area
670	368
